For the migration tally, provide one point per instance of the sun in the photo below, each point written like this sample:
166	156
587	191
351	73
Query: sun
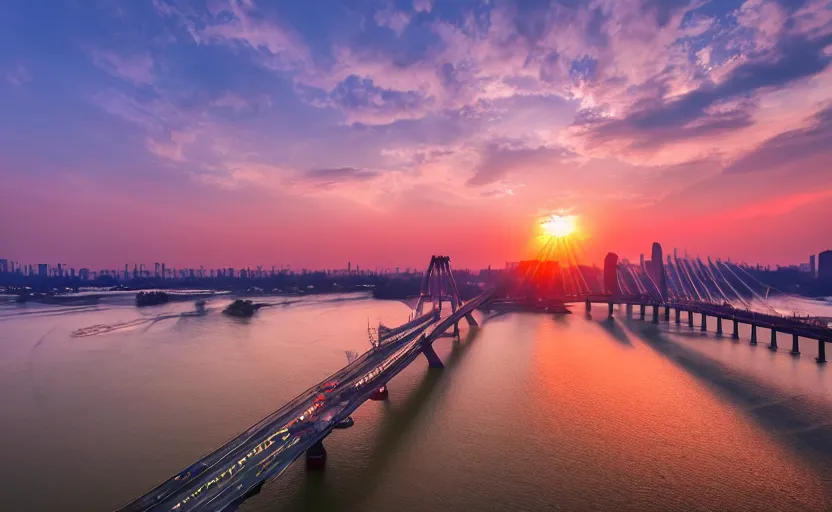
559	226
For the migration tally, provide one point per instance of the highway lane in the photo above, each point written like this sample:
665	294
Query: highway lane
263	451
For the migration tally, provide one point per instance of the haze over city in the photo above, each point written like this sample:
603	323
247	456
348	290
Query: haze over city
314	133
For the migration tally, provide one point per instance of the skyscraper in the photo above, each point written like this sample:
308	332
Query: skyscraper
611	275
4	266
43	270
825	265
812	265
657	269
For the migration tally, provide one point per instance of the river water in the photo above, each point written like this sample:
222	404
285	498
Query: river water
532	412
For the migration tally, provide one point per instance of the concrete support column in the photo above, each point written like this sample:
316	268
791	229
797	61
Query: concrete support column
773	344
736	333
379	394
629	310
656	314
642	311
678	316
430	355
704	326
609	308
795	345
666	314
821	351
690	319
316	456
588	306
719	326
753	334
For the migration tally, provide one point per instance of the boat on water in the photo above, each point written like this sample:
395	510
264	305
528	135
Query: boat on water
241	308
151	298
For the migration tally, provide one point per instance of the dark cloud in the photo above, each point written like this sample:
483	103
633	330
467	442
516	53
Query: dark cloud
497	161
790	147
328	177
356	94
689	116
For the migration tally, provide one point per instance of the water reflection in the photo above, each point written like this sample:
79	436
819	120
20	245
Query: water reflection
532	412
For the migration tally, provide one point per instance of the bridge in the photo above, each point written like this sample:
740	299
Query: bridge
223	479
226	477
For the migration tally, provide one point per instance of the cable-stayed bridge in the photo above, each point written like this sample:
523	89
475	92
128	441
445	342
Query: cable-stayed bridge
224	478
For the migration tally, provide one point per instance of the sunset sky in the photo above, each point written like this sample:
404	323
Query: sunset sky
312	133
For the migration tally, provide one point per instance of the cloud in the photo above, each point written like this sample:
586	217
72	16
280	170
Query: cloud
497	161
173	148
137	68
393	19
363	101
789	148
422	5
19	75
780	205
329	177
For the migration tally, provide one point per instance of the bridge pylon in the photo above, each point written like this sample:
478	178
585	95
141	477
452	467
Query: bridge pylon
439	287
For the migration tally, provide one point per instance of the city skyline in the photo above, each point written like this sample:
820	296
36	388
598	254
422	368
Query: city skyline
311	133
162	269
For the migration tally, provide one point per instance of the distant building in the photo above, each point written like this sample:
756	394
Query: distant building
4	266
43	270
812	265
84	274
825	265
658	274
611	275
641	260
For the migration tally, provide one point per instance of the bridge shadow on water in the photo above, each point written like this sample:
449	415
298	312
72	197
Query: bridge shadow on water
804	426
611	326
398	422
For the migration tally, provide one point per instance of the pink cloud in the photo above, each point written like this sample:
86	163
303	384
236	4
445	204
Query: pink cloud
137	68
18	75
779	206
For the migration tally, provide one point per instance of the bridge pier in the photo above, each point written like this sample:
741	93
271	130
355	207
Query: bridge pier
316	456
704	326
379	394
821	351
690	319
719	326
629	311
610	305
430	355
736	333
655	313
678	316
666	314
773	344
753	334
795	345
588	306
642	311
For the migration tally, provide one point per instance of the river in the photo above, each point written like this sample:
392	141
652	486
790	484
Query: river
532	412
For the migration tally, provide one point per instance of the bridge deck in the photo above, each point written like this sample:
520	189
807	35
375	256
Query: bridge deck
224	477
